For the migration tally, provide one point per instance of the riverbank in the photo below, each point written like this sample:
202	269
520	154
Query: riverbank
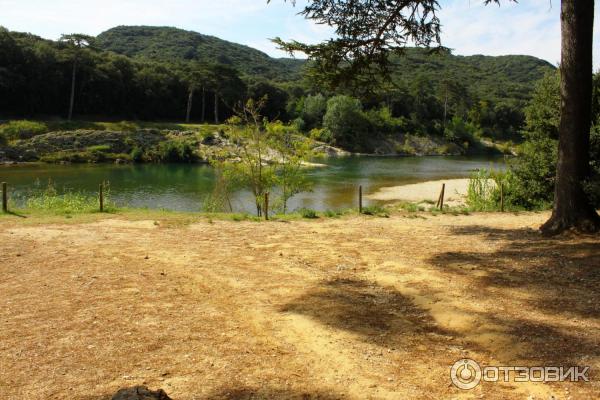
425	192
209	309
136	142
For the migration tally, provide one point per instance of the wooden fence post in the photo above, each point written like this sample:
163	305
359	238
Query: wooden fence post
101	193
4	198
501	197
440	203
266	206
360	202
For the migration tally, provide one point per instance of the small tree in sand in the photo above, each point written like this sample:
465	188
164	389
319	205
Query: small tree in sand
265	156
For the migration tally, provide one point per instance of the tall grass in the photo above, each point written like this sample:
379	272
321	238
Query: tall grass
484	190
69	202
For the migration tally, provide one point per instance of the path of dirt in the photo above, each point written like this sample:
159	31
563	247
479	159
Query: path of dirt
352	308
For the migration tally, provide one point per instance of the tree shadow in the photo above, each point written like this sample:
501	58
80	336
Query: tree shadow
561	274
248	393
269	393
379	315
15	214
557	276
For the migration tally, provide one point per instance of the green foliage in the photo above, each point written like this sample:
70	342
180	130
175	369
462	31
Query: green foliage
321	134
48	199
460	131
484	191
533	174
313	110
22	129
375	210
156	67
345	121
137	154
308	213
267	156
176	151
86	156
172	44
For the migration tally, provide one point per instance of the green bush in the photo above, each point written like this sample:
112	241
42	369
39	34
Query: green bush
137	154
176	151
322	135
22	129
308	213
461	132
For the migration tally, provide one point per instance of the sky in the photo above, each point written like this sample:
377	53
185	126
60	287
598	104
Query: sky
530	27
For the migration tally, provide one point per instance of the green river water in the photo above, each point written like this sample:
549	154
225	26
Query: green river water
182	187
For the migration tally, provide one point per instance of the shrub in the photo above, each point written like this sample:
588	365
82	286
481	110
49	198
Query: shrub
461	132
137	154
176	151
14	130
322	135
308	213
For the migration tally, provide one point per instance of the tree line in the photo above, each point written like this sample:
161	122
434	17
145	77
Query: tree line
41	78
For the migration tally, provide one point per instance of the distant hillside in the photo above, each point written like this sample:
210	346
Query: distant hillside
486	77
168	44
495	78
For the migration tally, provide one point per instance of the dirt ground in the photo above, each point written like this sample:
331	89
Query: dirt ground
350	308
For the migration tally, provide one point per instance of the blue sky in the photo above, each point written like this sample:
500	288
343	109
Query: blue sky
530	27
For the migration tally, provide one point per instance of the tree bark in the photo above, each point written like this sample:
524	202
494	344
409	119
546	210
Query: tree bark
216	108
203	104
189	106
72	100
572	209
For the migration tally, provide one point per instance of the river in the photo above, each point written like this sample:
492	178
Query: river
182	187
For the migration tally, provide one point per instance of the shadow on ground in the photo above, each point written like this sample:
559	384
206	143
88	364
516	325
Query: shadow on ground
246	393
379	315
559	276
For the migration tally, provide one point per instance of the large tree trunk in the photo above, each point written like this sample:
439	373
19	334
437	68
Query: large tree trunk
572	209
216	108
203	104
72	100
189	106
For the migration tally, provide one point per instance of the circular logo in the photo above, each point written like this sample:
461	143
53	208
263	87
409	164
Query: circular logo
465	374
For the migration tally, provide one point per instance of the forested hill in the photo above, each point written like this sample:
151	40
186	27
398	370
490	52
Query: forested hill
493	78
141	73
169	44
510	77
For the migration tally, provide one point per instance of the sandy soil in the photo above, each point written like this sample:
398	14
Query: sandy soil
456	190
352	308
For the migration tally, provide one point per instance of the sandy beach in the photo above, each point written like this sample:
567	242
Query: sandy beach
456	190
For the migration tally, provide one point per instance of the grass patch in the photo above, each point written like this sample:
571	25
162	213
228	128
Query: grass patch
308	213
376	211
49	200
